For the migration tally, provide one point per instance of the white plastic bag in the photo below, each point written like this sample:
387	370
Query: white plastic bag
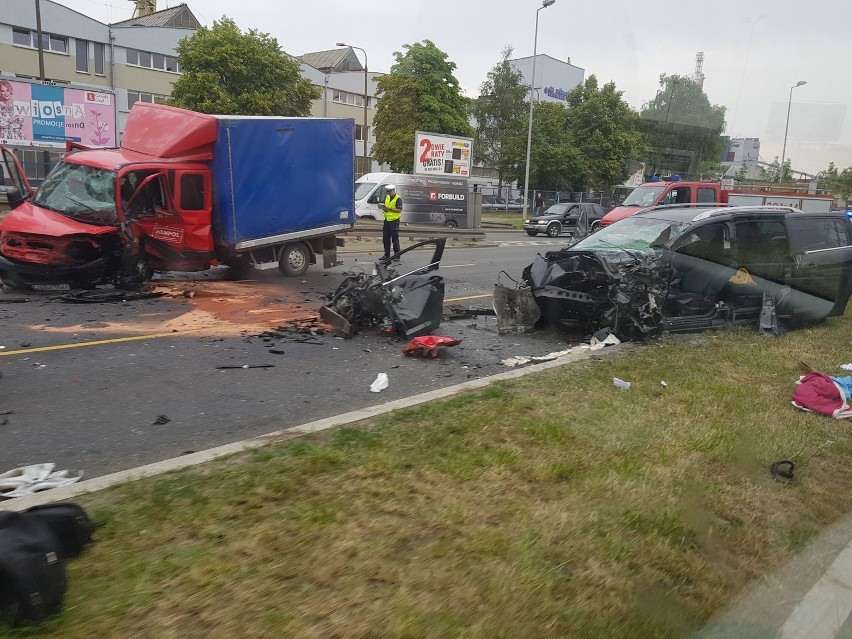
381	383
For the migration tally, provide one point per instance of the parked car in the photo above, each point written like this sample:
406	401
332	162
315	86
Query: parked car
563	216
681	269
500	205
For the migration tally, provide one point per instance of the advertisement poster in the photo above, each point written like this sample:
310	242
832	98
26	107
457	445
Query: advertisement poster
49	116
436	154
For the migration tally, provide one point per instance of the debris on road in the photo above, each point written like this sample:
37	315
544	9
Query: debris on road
380	383
14	300
161	419
516	308
275	351
411	303
246	366
299	331
35	478
97	296
594	345
461	312
429	345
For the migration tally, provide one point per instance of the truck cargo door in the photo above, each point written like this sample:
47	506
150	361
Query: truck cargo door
12	174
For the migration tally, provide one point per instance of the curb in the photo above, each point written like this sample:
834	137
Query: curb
211	454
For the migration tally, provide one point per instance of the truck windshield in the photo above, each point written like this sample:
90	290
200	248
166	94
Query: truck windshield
83	193
643	196
363	190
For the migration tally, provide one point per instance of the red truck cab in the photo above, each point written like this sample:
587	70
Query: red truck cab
657	193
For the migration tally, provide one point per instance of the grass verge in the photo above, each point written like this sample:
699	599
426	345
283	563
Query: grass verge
550	506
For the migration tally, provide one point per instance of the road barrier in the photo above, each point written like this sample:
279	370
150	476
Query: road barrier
413	232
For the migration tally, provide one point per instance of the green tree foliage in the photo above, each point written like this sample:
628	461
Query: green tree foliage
770	173
605	133
681	127
839	182
500	112
419	94
555	161
228	71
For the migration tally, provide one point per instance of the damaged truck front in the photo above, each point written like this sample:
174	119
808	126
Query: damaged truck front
681	269
184	191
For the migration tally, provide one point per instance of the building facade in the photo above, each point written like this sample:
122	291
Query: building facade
553	80
93	73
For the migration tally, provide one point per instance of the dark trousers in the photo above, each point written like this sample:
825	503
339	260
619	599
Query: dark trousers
390	232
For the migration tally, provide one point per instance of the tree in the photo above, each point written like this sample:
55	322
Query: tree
555	162
770	173
228	71
419	94
605	133
500	113
839	182
681	127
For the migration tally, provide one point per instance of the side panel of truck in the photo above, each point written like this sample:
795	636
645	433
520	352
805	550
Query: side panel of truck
278	178
801	202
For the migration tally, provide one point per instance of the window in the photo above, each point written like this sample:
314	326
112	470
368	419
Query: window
133	57
345	97
139	96
680	195
22	37
158	61
49	41
171	64
813	233
144	59
192	192
359	132
58	43
99	58
706	195
82	55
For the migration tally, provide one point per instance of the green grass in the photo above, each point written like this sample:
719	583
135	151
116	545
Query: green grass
516	218
550	506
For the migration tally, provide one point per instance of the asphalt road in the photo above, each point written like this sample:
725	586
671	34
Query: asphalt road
86	383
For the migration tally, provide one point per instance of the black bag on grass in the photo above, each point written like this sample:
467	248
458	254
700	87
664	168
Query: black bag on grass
69	524
32	576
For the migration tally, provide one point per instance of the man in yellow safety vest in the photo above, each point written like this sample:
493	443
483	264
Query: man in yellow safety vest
393	211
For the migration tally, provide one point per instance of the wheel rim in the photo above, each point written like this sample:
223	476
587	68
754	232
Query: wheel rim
553	231
296	260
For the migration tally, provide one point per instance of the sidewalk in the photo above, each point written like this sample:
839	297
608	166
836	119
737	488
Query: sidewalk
808	598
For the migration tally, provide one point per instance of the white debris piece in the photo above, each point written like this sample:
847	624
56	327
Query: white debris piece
620	383
594	345
380	383
597	344
34	479
664	384
846	367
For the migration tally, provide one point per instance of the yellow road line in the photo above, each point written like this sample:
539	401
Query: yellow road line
136	338
114	340
469	297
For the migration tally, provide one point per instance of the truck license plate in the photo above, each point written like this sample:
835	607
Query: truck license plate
51	287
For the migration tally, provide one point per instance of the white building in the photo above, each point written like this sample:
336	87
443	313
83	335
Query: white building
554	79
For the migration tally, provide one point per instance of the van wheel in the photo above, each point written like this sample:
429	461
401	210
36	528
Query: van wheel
554	230
452	224
532	233
295	259
595	226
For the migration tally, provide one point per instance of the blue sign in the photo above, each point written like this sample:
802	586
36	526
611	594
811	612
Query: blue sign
559	94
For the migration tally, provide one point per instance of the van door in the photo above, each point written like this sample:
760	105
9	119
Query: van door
12	174
171	211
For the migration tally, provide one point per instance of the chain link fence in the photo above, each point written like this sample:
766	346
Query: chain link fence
509	200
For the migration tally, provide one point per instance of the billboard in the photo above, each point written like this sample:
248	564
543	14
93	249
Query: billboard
49	116
436	154
742	151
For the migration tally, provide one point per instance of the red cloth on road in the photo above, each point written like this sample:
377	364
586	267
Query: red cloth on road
427	345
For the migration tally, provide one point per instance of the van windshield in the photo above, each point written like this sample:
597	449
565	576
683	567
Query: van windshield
363	189
81	192
643	196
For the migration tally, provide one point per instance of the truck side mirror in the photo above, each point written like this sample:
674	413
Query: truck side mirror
15	197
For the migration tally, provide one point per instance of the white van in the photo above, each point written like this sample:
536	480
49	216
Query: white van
425	199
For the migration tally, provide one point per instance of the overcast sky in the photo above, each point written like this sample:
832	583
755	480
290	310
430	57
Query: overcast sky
631	43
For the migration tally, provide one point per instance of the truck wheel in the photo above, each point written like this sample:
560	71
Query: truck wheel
553	230
451	224
532	233
295	259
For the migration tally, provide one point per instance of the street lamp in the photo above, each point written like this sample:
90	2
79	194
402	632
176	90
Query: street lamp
364	132
544	5
787	128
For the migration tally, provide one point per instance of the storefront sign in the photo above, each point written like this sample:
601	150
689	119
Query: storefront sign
49	116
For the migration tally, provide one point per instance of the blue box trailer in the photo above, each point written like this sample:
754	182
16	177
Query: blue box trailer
279	185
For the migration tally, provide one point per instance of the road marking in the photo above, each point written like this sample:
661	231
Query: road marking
469	297
114	340
136	338
457	265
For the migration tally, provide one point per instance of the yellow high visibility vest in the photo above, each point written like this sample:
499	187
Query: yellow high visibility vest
390	203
